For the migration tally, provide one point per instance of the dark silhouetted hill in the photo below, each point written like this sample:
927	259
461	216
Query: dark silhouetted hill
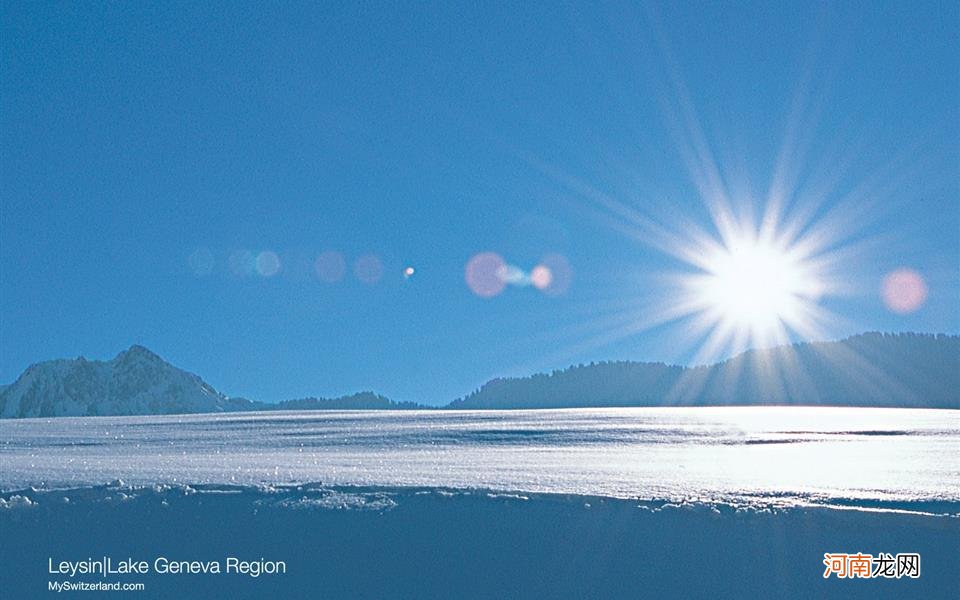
873	369
361	401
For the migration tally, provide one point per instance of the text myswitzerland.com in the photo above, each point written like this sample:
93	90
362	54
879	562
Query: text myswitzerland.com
96	586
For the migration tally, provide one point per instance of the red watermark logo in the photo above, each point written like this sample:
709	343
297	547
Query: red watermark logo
867	566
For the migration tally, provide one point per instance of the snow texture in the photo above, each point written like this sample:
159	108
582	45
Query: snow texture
746	456
587	503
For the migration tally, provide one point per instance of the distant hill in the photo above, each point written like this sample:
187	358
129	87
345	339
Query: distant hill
361	401
873	369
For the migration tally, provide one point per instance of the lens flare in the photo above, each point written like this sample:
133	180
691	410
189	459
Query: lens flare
904	291
513	275
268	263
483	274
541	276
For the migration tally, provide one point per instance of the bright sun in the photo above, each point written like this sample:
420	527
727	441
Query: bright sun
753	285
753	290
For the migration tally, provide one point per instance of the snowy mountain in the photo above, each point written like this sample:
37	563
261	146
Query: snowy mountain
135	382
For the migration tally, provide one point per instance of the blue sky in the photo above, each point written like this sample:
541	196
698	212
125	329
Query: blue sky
143	147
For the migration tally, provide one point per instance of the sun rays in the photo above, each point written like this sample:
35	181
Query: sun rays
760	270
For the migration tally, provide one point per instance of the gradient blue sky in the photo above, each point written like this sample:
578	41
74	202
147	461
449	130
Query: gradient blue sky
131	136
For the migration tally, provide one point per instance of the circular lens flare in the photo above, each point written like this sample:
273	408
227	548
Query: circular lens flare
268	263
904	291
541	276
484	274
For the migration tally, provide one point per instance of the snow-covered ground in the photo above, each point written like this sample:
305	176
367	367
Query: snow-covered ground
716	502
732	455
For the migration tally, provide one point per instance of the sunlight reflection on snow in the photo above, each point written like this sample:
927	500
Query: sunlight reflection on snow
669	453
